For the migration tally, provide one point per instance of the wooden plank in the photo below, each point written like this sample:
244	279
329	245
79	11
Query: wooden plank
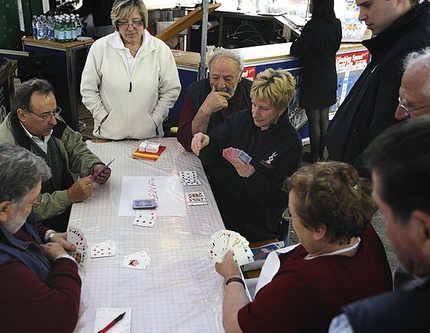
184	22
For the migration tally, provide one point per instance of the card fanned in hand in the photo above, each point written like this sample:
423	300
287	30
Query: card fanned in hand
77	238
225	240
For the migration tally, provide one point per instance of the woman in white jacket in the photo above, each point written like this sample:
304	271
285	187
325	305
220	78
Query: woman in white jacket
130	79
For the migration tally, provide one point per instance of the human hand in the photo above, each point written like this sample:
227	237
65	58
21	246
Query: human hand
244	170
198	142
228	268
104	176
216	100
81	190
61	238
52	249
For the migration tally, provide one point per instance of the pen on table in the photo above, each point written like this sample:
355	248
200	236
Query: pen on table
112	323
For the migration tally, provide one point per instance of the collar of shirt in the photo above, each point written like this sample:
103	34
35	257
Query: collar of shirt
119	44
43	144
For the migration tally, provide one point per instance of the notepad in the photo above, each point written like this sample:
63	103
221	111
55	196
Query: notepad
105	315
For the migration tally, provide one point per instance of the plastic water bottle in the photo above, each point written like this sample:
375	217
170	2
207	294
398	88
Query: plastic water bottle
40	28
34	27
67	30
78	26
73	27
50	28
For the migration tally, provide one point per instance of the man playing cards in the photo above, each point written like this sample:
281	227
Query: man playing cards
40	286
248	157
35	124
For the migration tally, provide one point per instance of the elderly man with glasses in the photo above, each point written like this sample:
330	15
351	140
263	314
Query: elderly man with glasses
35	124
414	92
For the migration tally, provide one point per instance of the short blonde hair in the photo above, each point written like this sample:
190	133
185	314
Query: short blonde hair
275	87
124	8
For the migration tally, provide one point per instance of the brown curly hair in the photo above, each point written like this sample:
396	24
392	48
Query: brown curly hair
331	193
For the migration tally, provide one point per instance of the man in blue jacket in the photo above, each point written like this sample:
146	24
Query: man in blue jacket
400	26
399	160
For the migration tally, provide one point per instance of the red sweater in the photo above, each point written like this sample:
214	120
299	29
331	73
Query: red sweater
28	304
306	294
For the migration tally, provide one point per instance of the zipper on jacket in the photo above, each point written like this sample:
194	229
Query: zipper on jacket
129	90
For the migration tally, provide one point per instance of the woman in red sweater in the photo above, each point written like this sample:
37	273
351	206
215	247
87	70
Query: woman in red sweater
340	257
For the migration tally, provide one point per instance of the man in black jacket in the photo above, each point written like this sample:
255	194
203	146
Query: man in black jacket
400	26
208	102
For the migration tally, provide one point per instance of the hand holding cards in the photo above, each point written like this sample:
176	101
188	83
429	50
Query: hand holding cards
225	240
77	238
229	153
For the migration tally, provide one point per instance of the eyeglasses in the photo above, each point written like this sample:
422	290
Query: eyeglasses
135	24
408	111
33	203
286	215
49	115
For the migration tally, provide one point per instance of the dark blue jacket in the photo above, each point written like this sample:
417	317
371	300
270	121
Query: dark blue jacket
28	253
394	312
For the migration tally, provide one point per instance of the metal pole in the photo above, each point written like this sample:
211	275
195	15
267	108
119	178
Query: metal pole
202	69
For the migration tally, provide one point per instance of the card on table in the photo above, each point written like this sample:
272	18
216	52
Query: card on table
106	248
77	238
189	178
195	198
144	204
138	260
225	240
145	218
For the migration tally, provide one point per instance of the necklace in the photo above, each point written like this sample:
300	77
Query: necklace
134	52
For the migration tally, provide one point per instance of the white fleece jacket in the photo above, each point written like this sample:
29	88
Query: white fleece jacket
138	104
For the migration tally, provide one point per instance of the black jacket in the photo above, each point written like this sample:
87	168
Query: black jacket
370	106
251	205
317	47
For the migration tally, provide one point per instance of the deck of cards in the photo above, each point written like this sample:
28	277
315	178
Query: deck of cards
138	260
106	248
77	238
195	198
149	147
229	153
225	240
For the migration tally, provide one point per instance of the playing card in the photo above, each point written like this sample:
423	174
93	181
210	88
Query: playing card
244	156
195	198
145	218
77	238
137	260
189	178
225	240
106	248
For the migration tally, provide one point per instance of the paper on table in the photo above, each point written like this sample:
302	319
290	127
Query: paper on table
167	192
105	315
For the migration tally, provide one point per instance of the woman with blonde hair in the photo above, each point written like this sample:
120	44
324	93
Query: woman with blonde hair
249	193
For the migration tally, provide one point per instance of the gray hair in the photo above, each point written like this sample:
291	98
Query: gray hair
20	172
420	58
124	8
24	92
230	54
